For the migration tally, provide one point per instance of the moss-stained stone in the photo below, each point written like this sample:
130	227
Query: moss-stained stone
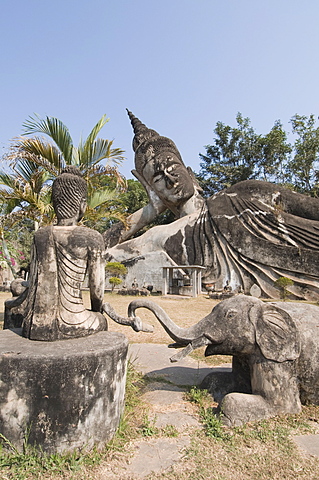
66	394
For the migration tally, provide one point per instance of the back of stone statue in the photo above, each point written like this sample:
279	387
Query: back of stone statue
61	257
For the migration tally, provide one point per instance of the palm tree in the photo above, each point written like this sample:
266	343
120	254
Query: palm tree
36	161
26	193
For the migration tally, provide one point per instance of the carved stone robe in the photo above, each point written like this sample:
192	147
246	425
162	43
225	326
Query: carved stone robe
61	257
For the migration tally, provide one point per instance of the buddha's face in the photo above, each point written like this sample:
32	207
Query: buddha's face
169	178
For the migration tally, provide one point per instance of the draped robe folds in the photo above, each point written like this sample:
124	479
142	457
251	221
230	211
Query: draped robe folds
59	263
254	233
249	234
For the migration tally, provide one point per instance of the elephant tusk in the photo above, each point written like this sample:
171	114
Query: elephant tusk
132	321
197	343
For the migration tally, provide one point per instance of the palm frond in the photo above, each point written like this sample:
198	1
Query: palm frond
31	173
55	129
95	131
38	182
7	180
85	148
46	196
76	157
103	195
26	168
39	151
99	150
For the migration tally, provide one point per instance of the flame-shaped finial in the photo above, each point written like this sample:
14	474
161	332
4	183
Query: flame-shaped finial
148	144
141	131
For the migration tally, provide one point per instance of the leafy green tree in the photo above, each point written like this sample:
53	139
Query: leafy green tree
231	158
116	269
115	281
15	235
305	162
134	198
26	194
240	154
274	155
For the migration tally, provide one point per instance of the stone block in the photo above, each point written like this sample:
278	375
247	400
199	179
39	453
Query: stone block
64	395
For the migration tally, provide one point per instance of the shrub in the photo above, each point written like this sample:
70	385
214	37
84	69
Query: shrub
116	269
283	283
114	281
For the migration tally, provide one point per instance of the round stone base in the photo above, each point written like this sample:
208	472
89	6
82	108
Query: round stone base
61	395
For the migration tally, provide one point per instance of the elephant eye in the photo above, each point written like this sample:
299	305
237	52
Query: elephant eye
231	314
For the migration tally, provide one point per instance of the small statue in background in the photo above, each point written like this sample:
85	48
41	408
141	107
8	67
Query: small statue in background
134	284
13	309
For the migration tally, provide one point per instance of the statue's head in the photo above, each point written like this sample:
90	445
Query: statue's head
158	160
69	194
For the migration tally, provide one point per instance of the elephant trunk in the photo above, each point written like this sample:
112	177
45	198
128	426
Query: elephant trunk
134	322
182	336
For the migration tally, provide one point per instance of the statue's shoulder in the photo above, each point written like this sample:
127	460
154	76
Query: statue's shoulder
42	233
92	237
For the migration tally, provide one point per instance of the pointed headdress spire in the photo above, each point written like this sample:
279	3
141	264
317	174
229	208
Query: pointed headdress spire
141	131
148	144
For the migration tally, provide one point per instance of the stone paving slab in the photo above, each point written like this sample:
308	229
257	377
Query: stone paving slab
308	443
164	394
154	361
168	407
179	420
157	455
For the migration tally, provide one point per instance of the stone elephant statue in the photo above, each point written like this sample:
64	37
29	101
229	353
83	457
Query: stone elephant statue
275	354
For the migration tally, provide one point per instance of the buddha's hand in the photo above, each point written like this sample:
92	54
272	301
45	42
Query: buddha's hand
154	199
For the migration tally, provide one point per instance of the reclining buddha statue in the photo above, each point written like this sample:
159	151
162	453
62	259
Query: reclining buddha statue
249	234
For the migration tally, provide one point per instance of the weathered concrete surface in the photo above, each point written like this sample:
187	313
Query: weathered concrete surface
308	443
68	394
154	361
157	455
169	407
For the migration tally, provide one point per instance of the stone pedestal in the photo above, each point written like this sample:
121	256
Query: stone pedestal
64	395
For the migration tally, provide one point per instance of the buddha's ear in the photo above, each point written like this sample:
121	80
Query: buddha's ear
194	180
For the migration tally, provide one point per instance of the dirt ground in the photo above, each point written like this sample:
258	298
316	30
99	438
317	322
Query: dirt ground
179	309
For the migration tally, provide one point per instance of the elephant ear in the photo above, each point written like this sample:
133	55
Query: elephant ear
276	333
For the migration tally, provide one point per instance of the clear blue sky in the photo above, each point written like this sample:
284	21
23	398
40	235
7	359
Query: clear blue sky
179	65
